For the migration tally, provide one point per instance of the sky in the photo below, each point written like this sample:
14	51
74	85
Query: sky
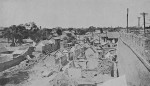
73	13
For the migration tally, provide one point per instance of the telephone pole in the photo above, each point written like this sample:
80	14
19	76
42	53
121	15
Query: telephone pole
139	21
99	35
143	14
127	18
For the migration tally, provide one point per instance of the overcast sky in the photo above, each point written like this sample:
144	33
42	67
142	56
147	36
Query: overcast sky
73	13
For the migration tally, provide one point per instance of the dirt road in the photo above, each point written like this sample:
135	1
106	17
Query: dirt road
136	73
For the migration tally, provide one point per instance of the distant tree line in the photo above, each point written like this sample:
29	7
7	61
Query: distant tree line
16	33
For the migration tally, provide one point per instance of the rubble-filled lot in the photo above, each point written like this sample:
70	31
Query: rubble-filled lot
64	67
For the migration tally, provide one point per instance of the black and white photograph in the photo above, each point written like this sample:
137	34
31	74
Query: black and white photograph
74	42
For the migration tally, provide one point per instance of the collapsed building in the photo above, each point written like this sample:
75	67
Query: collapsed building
84	65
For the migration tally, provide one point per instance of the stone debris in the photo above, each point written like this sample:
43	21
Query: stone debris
74	72
105	67
120	81
79	65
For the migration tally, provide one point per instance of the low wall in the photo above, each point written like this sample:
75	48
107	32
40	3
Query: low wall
138	45
16	61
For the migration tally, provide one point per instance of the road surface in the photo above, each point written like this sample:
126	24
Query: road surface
136	73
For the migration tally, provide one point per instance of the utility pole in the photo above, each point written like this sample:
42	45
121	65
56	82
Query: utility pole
143	14
127	18
99	34
139	24
139	21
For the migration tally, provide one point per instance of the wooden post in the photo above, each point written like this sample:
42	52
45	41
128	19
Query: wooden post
127	19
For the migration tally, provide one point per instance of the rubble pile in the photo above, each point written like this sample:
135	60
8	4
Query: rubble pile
61	80
79	66
89	73
105	66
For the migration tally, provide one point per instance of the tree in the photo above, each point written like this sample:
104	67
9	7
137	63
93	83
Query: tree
59	31
91	29
49	31
21	33
69	34
70	29
15	33
6	33
81	32
46	33
13	30
71	38
34	32
33	26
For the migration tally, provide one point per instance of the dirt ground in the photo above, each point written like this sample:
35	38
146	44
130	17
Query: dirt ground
136	73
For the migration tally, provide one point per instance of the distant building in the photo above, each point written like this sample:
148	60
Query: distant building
113	36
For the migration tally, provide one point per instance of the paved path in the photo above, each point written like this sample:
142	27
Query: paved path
136	73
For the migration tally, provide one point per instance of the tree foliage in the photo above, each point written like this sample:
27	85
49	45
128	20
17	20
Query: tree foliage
16	33
80	32
91	29
70	37
59	31
70	29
